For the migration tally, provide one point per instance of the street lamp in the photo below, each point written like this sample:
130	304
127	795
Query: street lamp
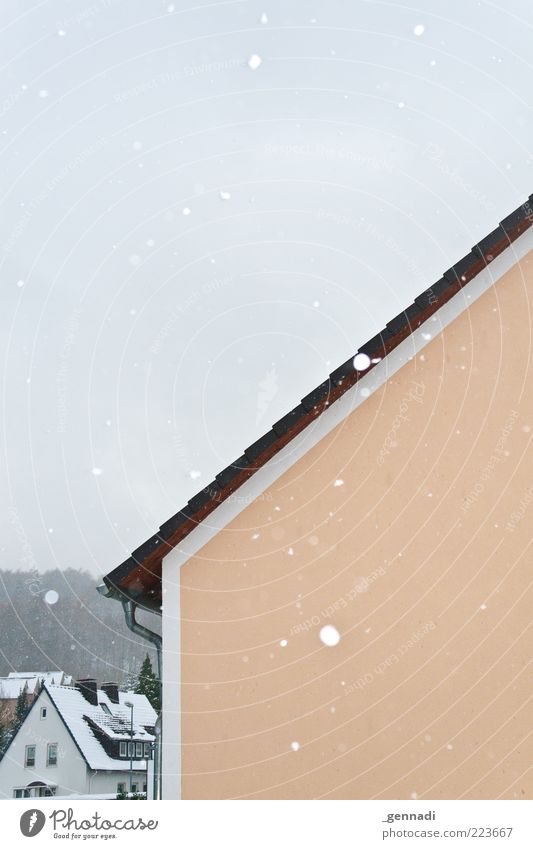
130	705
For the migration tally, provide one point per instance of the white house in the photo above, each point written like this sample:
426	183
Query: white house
78	740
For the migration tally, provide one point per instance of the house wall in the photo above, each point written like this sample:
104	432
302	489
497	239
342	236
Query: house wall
106	782
409	529
69	774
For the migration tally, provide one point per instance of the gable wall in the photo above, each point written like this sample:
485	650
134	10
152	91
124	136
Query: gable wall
420	559
69	774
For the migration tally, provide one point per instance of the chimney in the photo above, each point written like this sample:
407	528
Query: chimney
111	691
88	689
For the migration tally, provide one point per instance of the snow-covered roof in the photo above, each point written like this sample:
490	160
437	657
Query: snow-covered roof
74	708
11	686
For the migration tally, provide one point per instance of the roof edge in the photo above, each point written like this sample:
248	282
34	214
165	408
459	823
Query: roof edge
139	577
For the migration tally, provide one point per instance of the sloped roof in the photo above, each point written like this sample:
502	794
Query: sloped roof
11	686
73	707
139	577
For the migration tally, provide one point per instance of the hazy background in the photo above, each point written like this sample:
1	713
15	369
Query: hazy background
190	244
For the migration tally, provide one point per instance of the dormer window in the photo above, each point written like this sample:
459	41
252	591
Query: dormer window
123	750
105	708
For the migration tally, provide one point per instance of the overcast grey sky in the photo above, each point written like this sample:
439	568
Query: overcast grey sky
207	206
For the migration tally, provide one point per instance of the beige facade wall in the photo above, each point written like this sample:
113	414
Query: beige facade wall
421	558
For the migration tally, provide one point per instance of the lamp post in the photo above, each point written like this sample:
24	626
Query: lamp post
130	705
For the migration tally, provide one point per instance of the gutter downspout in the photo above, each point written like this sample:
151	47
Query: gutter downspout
129	607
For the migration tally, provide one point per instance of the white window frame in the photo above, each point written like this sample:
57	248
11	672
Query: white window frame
26	764
48	747
138	750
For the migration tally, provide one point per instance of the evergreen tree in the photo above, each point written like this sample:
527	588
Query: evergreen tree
129	682
21	708
4	736
148	684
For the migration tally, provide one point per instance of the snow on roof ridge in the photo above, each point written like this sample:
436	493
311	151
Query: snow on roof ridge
77	713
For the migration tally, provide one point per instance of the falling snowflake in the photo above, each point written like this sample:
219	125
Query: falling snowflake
401	104
20	283
361	362
295	746
186	210
254	62
264	18
419	29
97	471
339	482
224	195
329	635
51	597
290	550
194	474
43	93
283	643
